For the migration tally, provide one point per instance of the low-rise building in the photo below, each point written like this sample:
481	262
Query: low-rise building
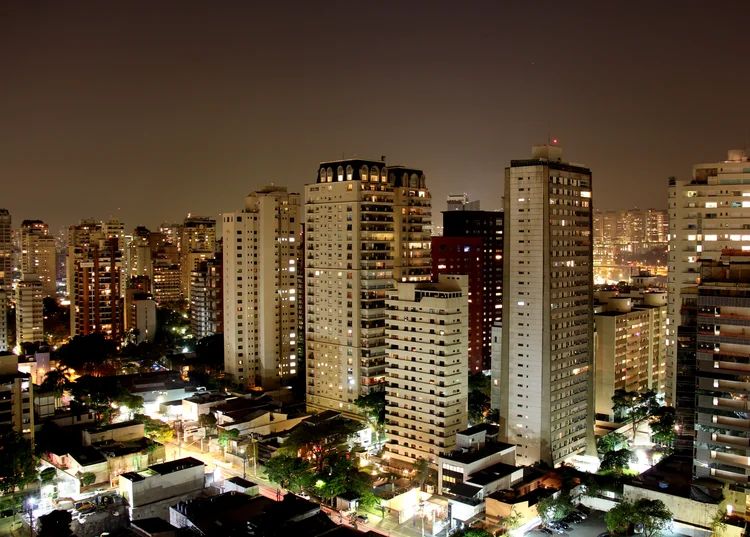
202	403
16	397
152	491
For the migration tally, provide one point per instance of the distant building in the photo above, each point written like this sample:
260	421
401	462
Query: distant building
3	321
460	202
166	283
708	213
426	367
29	310
197	243
458	253
260	288
39	255
206	299
6	251
547	337
17	394
630	348
140	316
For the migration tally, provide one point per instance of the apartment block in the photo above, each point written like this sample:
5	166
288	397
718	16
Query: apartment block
29	310
16	397
260	288
39	255
206	304
166	283
140	316
197	243
427	384
6	251
707	214
547	337
3	321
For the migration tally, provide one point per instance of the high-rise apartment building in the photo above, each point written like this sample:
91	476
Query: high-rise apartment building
138	255
17	394
3	321
39	255
427	385
197	243
630	348
485	296
351	233
657	226
206	303
140	316
547	337
166	283
95	304
722	346
707	214
260	288
87	232
29	310
6	251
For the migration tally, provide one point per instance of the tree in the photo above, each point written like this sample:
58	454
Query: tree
319	441
479	397
662	422
422	471
372	406
225	435
17	463
209	353
289	472
471	532
48	474
104	395
718	522
634	406
610	442
619	517
55	524
87	354
57	382
493	416
653	514
513	520
156	430
207	421
554	508
87	479
616	461
369	501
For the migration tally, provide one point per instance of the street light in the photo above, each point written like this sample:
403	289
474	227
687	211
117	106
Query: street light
31	504
244	462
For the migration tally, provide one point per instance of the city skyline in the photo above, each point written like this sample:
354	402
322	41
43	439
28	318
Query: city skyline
254	99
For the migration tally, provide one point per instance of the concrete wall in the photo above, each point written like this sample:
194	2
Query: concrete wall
117	434
684	509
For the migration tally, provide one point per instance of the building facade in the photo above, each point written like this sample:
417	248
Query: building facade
351	238
707	214
197	243
6	251
630	349
39	255
140	316
260	288
722	427
427	385
17	396
547	338
29	310
3	321
486	296
206	299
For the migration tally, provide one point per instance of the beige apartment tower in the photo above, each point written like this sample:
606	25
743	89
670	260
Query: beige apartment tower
707	214
355	245
29	310
39	255
547	332
260	288
426	367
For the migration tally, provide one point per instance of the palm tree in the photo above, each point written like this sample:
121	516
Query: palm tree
56	381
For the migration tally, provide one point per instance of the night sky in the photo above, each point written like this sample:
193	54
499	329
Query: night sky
164	108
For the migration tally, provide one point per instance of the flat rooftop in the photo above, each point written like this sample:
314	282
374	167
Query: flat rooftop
473	455
672	475
486	427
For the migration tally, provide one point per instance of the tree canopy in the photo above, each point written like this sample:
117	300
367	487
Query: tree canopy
156	430
616	460
104	395
87	354
17	464
653	514
290	472
372	406
55	524
634	406
662	422
479	397
319	441
554	508
610	442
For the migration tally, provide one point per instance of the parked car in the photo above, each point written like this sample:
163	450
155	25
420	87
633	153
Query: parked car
362	519
5	513
581	514
555	529
545	530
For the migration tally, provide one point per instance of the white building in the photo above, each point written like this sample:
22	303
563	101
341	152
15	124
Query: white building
3	321
197	243
260	288
140	316
39	255
29	310
547	337
427	364
352	240
707	214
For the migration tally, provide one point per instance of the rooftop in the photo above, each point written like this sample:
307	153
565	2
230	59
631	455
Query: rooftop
113	426
153	525
492	474
242	482
488	428
473	455
672	475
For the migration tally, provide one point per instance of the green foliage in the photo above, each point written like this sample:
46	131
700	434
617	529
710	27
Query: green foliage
634	406
56	381
320	440
87	478
156	430
610	442
87	354
422	472
616	461
104	395
56	524
369	501
471	532
227	434
513	520
551	508
479	397
207	421
653	514
493	416
289	472
662	422
718	522
56	321
210	354
372	406
48	474
17	465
